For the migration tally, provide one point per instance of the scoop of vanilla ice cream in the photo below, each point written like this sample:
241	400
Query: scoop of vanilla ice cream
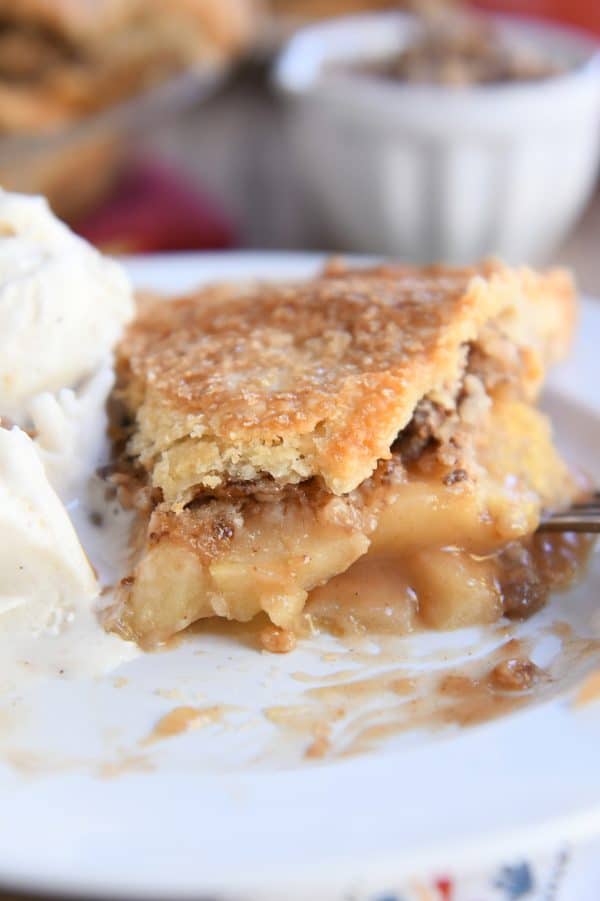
71	433
62	304
45	576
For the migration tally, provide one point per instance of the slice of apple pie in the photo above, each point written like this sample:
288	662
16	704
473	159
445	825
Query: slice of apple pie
359	448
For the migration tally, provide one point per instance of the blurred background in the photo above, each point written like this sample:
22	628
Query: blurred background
428	130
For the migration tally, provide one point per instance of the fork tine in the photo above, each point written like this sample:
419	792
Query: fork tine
582	516
571	525
591	510
573	520
593	501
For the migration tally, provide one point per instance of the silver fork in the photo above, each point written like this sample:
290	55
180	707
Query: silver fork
581	517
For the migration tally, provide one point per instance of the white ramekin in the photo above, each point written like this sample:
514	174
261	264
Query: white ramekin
431	172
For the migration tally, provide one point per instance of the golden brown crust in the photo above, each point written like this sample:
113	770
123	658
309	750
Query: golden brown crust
64	59
310	9
545	302
70	18
92	20
318	379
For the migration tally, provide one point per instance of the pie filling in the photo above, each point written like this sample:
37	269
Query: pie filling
416	544
442	533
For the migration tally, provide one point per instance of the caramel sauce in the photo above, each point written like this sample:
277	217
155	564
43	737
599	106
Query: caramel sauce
331	677
561	630
276	640
31	764
301	717
404	702
395	682
589	690
319	747
182	719
169	694
469	705
515	674
351	715
133	763
309	723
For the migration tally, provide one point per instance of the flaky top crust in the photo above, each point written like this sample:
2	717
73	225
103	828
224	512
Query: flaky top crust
64	59
317	378
226	21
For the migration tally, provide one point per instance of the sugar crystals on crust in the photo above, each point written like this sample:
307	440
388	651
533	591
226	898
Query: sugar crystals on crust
318	378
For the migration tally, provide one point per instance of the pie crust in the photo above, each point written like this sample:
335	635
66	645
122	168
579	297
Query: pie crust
63	59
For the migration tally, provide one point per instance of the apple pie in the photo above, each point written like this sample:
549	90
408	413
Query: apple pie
359	448
63	59
311	9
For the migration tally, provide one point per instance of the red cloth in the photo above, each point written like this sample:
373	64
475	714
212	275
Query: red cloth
581	13
153	209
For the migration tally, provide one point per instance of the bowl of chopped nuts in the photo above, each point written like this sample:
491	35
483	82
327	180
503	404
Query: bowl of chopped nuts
447	139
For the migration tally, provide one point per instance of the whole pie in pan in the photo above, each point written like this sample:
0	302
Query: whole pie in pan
358	449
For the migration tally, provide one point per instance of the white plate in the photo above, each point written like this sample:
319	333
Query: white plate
233	809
